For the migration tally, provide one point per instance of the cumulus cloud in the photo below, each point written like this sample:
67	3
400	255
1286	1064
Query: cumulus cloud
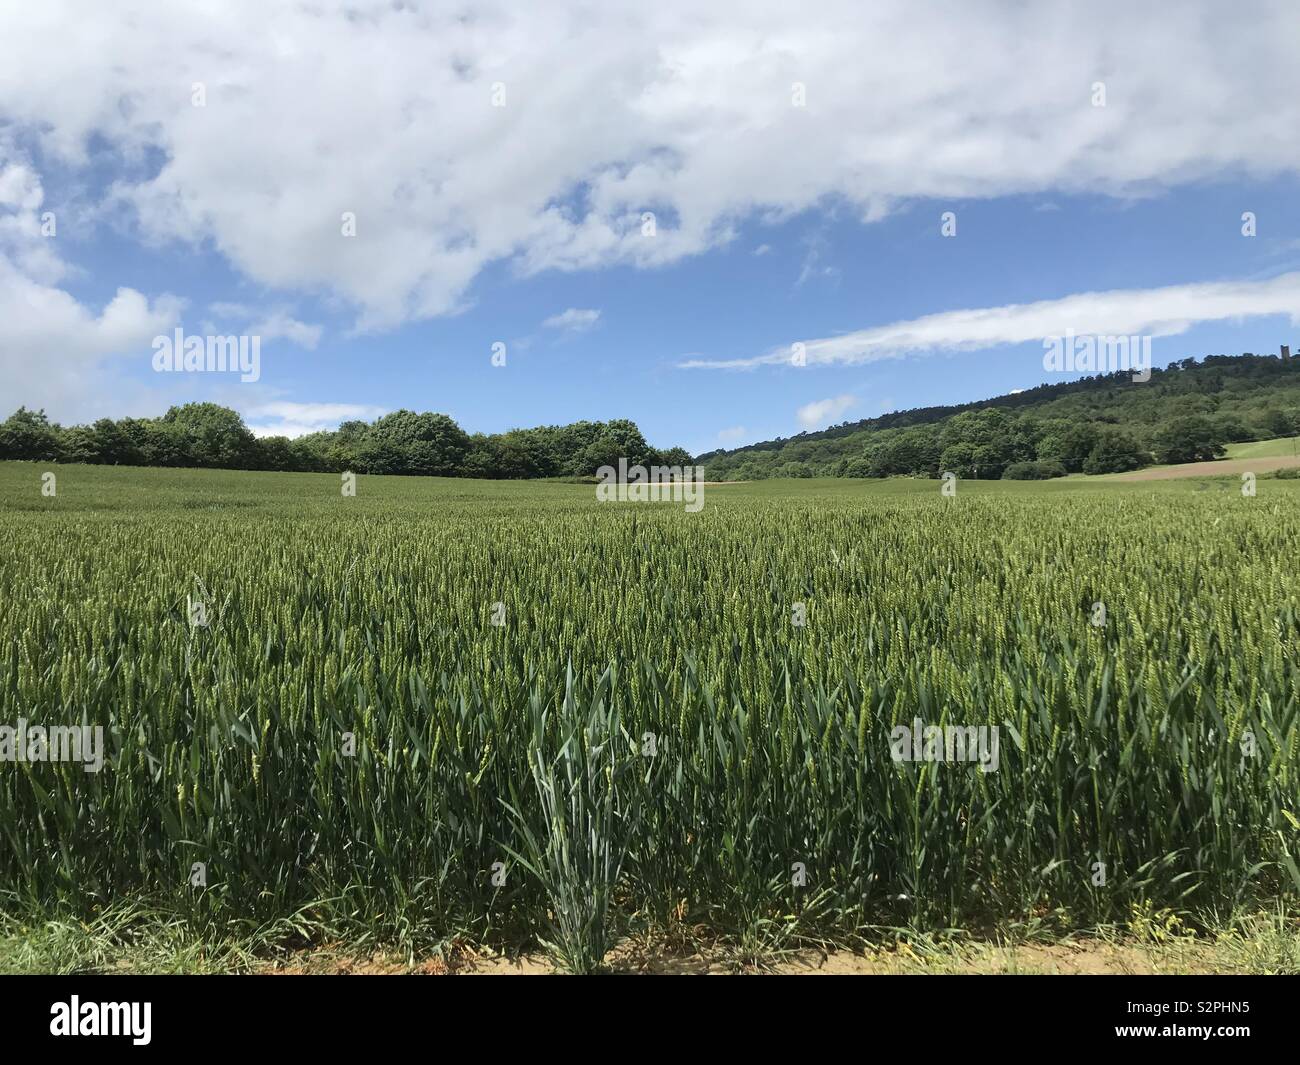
1155	312
291	329
813	415
299	419
612	111
24	239
55	351
281	326
269	325
573	320
225	309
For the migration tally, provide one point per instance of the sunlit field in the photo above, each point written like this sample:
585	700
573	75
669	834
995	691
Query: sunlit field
1282	446
504	713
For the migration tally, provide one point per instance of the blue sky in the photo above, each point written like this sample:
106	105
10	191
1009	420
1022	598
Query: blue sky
521	224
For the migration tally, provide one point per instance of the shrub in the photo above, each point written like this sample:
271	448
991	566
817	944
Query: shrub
1033	471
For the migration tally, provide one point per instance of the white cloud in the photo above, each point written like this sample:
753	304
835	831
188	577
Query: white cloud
22	196
815	415
611	111
270	325
816	246
573	320
299	419
20	188
731	435
277	326
231	310
1157	312
56	352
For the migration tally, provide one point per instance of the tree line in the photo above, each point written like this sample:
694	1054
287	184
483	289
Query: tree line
1188	412
403	442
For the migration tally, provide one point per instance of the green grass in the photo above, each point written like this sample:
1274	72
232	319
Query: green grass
1255	449
523	744
1260	449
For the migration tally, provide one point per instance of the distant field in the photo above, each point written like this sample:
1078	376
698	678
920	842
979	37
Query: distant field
1259	456
1256	449
498	712
1216	468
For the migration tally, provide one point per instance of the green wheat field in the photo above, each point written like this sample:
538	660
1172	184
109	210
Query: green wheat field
505	713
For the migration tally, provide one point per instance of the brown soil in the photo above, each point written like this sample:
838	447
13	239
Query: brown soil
1085	957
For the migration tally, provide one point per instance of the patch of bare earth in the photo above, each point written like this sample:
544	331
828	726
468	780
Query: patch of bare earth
326	962
1217	468
1084	957
1061	959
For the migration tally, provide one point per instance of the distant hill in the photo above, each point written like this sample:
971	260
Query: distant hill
1188	412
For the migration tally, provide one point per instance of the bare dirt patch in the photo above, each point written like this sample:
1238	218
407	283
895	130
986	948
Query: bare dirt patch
1076	958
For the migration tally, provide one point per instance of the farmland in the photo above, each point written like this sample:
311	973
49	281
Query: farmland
1257	456
504	713
1279	447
